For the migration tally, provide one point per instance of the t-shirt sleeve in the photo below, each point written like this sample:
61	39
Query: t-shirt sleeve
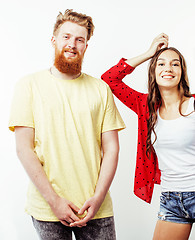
112	119
21	113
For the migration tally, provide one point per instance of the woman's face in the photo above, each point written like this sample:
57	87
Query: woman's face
168	70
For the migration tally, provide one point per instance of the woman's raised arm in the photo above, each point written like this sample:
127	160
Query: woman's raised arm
160	41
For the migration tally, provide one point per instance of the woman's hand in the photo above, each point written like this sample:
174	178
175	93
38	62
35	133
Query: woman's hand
160	41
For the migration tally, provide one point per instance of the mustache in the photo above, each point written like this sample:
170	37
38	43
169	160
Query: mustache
65	49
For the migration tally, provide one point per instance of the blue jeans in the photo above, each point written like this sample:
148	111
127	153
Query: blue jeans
178	207
97	229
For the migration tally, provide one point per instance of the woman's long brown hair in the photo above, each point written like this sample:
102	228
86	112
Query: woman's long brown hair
154	97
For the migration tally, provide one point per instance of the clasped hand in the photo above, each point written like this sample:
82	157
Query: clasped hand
68	213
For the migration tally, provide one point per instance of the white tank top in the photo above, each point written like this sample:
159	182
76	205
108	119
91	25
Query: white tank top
175	149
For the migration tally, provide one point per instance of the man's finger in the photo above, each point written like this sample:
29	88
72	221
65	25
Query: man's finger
82	221
83	209
74	217
65	223
74	207
78	224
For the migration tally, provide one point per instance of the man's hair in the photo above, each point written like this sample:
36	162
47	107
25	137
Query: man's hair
79	18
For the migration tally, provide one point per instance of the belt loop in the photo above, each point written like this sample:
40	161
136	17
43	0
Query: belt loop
168	195
181	196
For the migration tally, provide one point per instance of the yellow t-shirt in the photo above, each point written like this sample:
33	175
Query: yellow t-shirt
69	117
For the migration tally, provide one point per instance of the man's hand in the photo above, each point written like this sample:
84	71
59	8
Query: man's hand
91	206
65	211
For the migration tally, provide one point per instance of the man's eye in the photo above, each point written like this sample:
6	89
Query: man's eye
80	40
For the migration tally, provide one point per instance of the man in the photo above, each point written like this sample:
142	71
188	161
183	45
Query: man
66	126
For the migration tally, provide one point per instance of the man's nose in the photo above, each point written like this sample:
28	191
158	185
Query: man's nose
72	43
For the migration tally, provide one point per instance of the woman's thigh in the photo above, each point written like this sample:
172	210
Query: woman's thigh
170	230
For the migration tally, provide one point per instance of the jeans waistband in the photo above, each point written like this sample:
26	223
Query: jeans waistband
181	195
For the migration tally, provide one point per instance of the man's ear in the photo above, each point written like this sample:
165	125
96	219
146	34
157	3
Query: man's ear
53	41
86	47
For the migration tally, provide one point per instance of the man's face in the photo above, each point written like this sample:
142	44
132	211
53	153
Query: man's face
70	44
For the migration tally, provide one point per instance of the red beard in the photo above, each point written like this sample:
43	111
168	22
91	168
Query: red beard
68	66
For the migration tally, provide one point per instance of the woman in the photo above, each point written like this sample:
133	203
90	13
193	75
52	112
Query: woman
166	135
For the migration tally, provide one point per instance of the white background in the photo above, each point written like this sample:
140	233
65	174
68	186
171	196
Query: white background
123	28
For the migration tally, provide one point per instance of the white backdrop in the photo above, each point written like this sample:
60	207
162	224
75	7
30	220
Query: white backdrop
123	28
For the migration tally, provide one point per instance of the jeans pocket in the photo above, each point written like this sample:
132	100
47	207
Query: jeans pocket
189	205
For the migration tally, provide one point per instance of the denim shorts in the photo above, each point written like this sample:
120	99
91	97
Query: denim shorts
178	207
97	229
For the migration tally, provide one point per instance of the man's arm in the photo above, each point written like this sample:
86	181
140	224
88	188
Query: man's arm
62	208
110	147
